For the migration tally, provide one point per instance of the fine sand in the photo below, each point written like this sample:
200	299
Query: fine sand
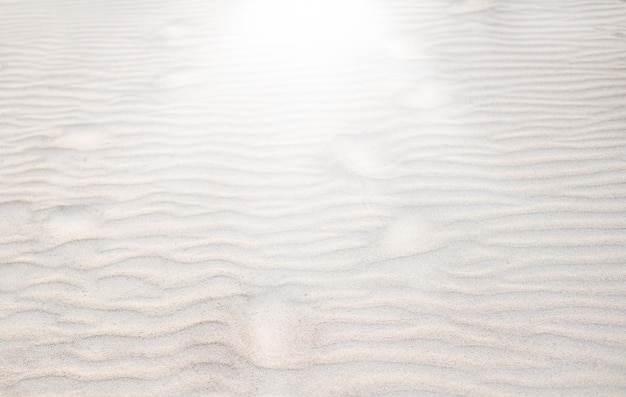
393	198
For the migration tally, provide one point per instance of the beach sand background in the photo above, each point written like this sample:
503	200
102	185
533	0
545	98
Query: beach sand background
204	198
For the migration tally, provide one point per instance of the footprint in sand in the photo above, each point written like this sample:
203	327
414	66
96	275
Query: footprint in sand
84	137
430	93
411	234
363	156
69	223
277	330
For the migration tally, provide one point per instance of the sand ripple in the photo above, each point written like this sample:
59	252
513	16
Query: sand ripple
438	212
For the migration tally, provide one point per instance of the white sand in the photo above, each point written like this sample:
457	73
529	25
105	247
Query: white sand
430	204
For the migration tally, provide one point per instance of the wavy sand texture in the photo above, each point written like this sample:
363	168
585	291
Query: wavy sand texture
437	210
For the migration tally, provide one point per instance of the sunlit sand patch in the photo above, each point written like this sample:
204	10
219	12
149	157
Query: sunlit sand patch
304	42
403	47
305	26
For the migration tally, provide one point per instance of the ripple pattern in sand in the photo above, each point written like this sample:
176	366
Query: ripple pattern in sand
441	212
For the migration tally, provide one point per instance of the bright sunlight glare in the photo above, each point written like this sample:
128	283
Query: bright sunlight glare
305	26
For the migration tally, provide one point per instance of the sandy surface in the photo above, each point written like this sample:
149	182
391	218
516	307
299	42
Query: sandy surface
393	198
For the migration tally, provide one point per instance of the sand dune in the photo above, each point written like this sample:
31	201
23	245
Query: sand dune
433	204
